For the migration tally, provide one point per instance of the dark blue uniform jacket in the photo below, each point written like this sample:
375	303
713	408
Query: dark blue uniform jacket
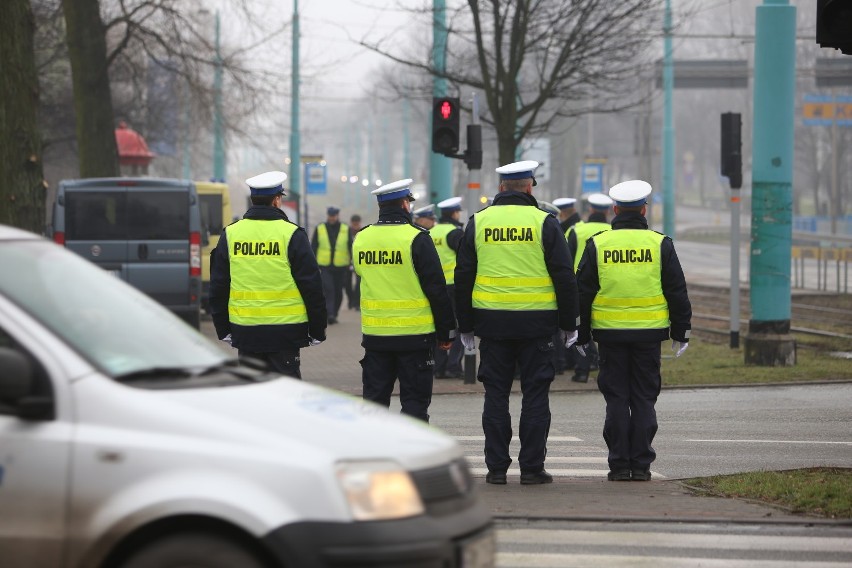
303	265
508	324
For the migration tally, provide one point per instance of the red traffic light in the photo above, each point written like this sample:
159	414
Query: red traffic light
446	110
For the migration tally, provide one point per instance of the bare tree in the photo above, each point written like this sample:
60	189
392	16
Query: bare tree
21	181
540	61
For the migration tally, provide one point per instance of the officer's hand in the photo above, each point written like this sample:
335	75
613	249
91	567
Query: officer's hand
227	339
679	347
312	341
445	345
569	338
468	341
581	349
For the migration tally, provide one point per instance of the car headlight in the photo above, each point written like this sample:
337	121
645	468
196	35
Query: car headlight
378	490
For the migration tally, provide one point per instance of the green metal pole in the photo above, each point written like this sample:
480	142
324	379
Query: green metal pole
668	126
218	124
406	147
187	157
295	150
769	342
440	167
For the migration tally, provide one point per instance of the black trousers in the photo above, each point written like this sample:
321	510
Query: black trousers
287	362
450	362
381	369
496	371
630	382
332	287
584	364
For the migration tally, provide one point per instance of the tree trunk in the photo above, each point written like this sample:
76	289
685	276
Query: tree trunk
86	36
21	180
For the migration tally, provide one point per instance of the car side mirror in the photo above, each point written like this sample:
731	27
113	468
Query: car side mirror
16	376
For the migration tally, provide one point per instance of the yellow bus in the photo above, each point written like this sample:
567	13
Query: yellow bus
215	215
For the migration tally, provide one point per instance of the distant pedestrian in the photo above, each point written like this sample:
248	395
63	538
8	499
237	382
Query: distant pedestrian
351	281
331	245
266	295
632	297
515	289
568	215
404	304
600	205
447	236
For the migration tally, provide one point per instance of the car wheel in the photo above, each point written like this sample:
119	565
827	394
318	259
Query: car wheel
197	550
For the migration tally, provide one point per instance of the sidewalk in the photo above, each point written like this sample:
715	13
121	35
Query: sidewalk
334	364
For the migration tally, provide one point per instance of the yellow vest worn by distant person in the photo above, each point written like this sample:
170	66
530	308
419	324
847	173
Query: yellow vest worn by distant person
447	255
341	246
583	231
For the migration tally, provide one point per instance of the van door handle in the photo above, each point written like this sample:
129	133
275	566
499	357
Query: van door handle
143	252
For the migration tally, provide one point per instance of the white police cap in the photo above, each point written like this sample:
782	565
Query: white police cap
564	202
518	170
394	190
428	212
548	207
630	193
267	183
451	204
599	201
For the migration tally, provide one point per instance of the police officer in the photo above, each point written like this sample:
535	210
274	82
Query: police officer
352	289
404	303
447	236
331	245
568	215
515	289
632	297
424	217
266	295
597	221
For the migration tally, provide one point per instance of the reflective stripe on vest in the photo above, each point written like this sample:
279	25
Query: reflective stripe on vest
392	301
263	291
447	255
341	246
629	272
583	231
510	269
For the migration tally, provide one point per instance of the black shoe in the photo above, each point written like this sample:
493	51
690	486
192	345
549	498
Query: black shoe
580	378
536	478
496	477
619	475
332	320
641	474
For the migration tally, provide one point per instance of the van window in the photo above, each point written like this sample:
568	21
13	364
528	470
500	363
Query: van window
211	213
157	215
126	215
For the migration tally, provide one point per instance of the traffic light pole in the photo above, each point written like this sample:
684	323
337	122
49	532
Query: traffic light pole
473	158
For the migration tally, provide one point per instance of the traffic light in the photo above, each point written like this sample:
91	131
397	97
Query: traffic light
732	154
445	125
834	24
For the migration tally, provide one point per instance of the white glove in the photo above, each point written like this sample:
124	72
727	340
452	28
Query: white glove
468	341
312	342
679	348
227	339
581	349
569	338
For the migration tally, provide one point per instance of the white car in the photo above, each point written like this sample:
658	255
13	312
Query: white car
127	439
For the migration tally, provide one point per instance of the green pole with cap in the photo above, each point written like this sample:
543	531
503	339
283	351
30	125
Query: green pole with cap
295	151
769	342
218	121
668	125
440	167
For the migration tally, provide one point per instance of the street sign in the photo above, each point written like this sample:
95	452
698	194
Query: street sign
825	110
315	179
706	74
592	171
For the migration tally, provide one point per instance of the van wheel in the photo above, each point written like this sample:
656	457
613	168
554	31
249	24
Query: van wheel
197	550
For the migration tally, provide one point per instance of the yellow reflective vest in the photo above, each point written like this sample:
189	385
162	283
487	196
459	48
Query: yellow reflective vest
392	300
263	291
341	246
629	273
510	272
582	231
447	255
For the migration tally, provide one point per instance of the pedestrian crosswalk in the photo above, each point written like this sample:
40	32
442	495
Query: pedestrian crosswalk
567	456
684	547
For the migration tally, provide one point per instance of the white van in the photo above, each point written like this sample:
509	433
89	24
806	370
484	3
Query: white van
129	440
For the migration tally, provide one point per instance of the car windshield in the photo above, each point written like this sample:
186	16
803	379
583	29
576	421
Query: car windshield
113	325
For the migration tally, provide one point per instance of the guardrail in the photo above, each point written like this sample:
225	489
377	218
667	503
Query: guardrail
822	249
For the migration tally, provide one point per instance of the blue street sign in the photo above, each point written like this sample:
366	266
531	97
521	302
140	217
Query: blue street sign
592	178
315	179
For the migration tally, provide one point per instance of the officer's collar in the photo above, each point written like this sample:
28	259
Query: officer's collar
265	212
629	220
393	214
509	197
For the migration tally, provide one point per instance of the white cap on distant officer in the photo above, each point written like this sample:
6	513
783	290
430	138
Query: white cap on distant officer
451	204
428	212
518	170
394	190
564	202
630	193
267	183
599	201
549	208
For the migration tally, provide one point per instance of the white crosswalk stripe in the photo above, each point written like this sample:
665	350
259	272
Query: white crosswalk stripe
562	451
550	548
